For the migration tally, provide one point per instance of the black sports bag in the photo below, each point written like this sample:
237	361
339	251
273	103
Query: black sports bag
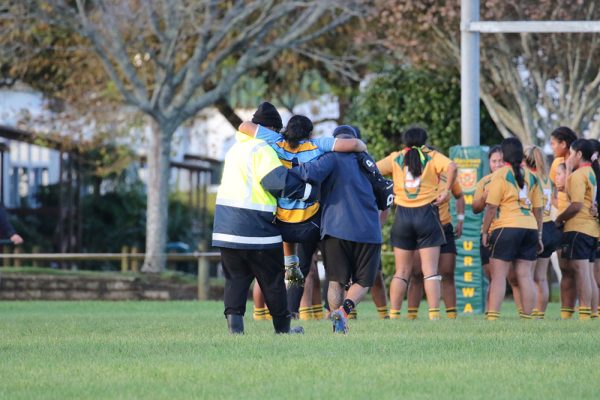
382	188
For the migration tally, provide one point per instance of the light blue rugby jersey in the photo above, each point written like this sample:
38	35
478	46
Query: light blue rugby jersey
289	210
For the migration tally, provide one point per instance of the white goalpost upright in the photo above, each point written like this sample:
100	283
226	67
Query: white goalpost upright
470	28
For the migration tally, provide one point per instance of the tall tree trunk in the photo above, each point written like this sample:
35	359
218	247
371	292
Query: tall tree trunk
157	208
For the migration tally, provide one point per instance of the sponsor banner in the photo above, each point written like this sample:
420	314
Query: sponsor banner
472	165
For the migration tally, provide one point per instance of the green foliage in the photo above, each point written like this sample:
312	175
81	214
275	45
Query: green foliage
110	220
181	350
405	97
286	87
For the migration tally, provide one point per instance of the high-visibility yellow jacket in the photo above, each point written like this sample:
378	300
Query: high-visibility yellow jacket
245	211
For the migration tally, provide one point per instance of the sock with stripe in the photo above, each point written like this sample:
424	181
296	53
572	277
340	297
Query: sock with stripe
451	312
394	314
520	311
585	313
566	312
525	316
382	312
353	314
412	313
317	311
492	316
306	313
260	314
594	315
538	314
434	314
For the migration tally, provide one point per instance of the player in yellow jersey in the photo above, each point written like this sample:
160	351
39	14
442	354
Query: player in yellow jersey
513	213
416	171
447	257
581	226
560	141
496	162
551	236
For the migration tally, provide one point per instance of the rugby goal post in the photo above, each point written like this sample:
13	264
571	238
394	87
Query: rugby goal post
470	29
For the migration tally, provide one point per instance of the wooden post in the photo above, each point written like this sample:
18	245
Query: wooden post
170	264
35	250
124	264
203	271
7	261
134	260
17	251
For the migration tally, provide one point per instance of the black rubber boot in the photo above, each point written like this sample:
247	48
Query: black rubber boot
235	323
282	325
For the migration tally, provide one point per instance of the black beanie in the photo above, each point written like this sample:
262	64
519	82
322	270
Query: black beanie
267	115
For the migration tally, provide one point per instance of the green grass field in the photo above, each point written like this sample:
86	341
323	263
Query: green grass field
180	350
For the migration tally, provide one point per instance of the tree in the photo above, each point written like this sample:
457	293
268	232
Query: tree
171	59
530	83
400	98
328	66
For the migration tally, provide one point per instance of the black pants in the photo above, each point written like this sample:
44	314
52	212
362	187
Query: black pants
242	266
305	254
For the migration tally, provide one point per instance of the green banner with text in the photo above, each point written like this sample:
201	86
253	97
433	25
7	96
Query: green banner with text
472	163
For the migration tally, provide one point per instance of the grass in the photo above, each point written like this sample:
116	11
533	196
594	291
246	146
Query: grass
180	350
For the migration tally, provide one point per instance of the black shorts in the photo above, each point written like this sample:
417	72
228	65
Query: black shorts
551	238
450	246
417	228
347	261
484	252
598	250
301	232
510	244
579	246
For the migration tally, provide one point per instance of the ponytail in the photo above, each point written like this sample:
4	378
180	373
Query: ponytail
414	159
512	152
534	158
516	167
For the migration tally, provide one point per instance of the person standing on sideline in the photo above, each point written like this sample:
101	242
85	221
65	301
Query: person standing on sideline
416	171
250	243
6	228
